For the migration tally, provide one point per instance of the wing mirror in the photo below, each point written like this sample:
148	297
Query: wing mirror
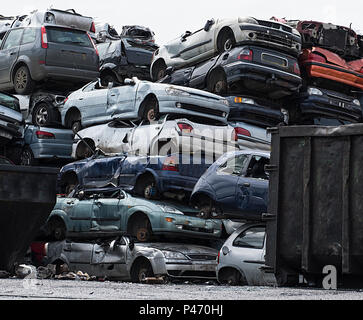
186	35
130	82
131	244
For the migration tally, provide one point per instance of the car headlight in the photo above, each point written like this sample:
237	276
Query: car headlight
244	100
171	91
314	91
356	102
173	255
247	20
169	209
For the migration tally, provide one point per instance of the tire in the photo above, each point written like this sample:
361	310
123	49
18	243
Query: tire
141	229
57	230
151	110
232	278
23	83
147	189
159	70
226	41
27	157
43	115
142	270
217	83
108	77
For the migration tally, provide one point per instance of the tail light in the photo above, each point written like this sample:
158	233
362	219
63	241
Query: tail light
184	127
170	164
245	54
296	68
219	254
44	135
65	100
44	38
316	57
93	28
361	70
39	251
240	131
94	46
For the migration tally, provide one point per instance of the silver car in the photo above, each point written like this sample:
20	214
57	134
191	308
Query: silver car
122	259
11	119
159	137
221	35
136	99
242	256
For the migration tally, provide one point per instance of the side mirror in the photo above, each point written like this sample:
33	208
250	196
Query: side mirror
186	35
131	244
130	82
169	71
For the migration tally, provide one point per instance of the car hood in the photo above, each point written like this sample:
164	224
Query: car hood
179	247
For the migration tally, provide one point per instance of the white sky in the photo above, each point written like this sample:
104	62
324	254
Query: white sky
170	18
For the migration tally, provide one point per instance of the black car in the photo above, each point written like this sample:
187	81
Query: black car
122	59
244	69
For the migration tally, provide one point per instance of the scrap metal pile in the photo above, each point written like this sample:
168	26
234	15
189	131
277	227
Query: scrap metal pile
163	149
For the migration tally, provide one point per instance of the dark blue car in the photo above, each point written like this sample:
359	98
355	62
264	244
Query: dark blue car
236	185
148	176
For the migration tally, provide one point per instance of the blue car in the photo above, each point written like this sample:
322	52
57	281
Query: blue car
148	176
236	185
45	144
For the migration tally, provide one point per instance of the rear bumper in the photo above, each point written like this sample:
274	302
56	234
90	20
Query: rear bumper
335	73
50	150
63	73
274	78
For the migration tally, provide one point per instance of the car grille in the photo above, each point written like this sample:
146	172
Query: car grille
273	25
192	274
285	41
197	229
340	97
200	109
201	257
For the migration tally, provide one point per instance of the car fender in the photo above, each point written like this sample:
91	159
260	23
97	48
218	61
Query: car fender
22	60
151	171
229	23
234	266
153	216
154	256
202	187
59	213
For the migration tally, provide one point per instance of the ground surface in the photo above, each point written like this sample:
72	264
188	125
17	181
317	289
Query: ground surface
71	289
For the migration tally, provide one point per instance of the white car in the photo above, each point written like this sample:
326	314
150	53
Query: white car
157	138
221	35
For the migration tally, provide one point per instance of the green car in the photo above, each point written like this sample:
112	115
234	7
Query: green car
110	212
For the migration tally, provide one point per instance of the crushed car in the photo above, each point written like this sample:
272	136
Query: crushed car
122	259
156	138
235	186
111	212
139	36
138	99
220	35
242	257
245	69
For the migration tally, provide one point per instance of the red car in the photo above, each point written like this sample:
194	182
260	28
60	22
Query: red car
321	63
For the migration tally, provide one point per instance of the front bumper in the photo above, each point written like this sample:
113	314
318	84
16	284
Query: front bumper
191	269
276	79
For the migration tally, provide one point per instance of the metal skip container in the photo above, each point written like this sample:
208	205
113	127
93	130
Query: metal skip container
27	196
315	212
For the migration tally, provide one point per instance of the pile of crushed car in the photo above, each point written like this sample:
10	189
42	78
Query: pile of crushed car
163	149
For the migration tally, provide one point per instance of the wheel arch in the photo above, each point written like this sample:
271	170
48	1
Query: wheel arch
137	262
221	32
224	270
144	175
143	104
134	216
69	115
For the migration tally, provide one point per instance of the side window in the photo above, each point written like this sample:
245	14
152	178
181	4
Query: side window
13	39
256	167
233	165
29	35
251	238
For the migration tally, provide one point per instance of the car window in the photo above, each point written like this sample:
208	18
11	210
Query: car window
234	165
9	102
251	238
256	167
13	39
68	36
29	35
89	87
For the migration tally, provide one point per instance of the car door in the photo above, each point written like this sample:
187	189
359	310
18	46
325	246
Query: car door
80	213
121	101
252	189
225	181
247	253
9	52
107	213
92	102
79	256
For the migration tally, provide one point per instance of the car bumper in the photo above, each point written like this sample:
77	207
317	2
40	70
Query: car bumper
63	73
193	106
274	78
335	73
10	130
190	270
323	105
50	150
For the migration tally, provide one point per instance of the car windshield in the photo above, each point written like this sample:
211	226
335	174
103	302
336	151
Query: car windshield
68	36
9	102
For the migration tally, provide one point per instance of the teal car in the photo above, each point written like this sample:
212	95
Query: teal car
110	212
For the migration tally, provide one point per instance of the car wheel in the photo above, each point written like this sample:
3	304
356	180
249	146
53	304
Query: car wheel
226	42
43	115
108	77
159	71
151	110
27	157
217	83
57	230
232	278
76	126
141	271
147	188
142	230
23	83
205	212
